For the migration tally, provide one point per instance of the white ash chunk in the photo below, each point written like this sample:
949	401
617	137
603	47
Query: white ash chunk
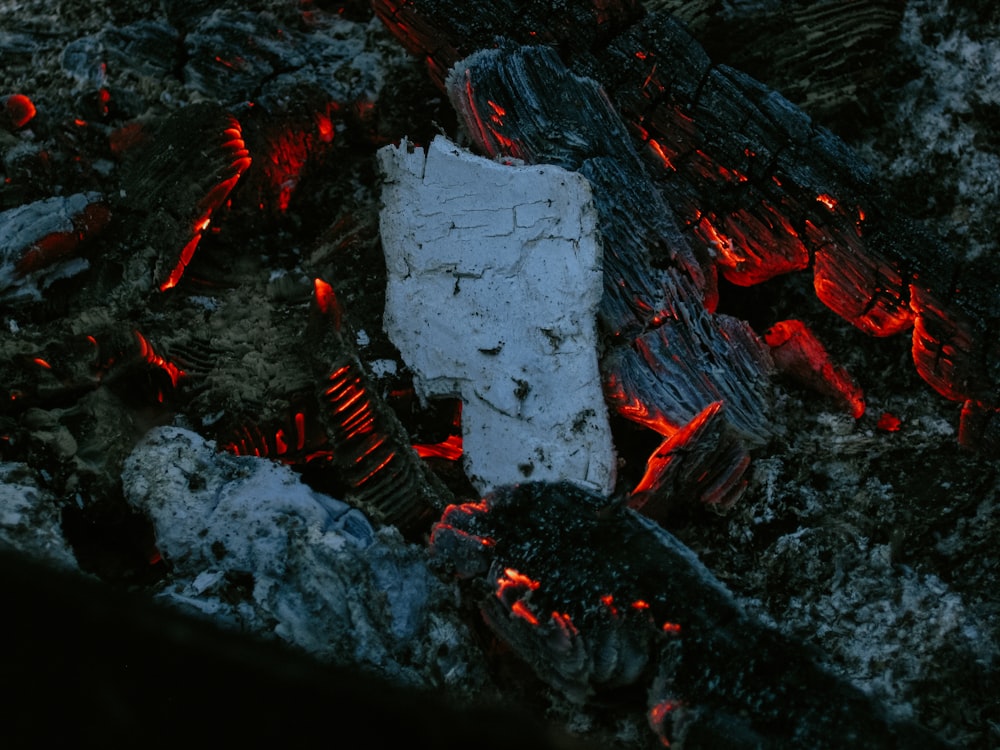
495	276
252	547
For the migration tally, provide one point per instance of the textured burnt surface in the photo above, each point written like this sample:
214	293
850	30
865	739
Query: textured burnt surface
870	539
754	183
649	608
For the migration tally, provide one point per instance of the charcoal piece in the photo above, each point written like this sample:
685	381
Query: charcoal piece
230	54
445	31
860	286
594	597
705	461
371	449
175	180
16	111
731	152
798	353
290	137
668	375
40	243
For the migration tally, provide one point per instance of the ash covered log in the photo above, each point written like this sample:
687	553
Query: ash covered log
251	545
494	283
595	598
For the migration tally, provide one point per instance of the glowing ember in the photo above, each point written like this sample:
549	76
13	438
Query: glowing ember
16	111
799	353
147	352
888	422
449	449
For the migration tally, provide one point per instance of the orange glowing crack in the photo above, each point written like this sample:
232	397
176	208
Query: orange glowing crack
661	458
827	200
375	471
662	154
565	623
449	449
609	601
147	352
515	582
211	202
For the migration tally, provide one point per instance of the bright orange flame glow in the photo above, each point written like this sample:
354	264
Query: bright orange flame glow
521	610
609	601
42	363
662	155
565	623
827	200
449	449
325	128
514	582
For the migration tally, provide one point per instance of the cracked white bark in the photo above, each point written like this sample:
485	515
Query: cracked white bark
494	281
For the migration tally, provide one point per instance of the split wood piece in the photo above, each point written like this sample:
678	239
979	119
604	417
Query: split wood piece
595	597
175	179
494	283
670	354
702	462
371	450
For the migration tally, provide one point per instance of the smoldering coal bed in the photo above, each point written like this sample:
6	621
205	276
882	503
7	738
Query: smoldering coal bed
206	212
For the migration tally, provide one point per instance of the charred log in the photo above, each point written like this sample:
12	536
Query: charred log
595	597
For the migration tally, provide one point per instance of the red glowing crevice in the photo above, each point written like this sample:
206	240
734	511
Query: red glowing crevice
58	245
449	449
660	460
513	584
635	410
148	354
208	205
888	423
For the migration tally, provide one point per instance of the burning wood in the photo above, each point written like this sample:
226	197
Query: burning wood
753	182
188	225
